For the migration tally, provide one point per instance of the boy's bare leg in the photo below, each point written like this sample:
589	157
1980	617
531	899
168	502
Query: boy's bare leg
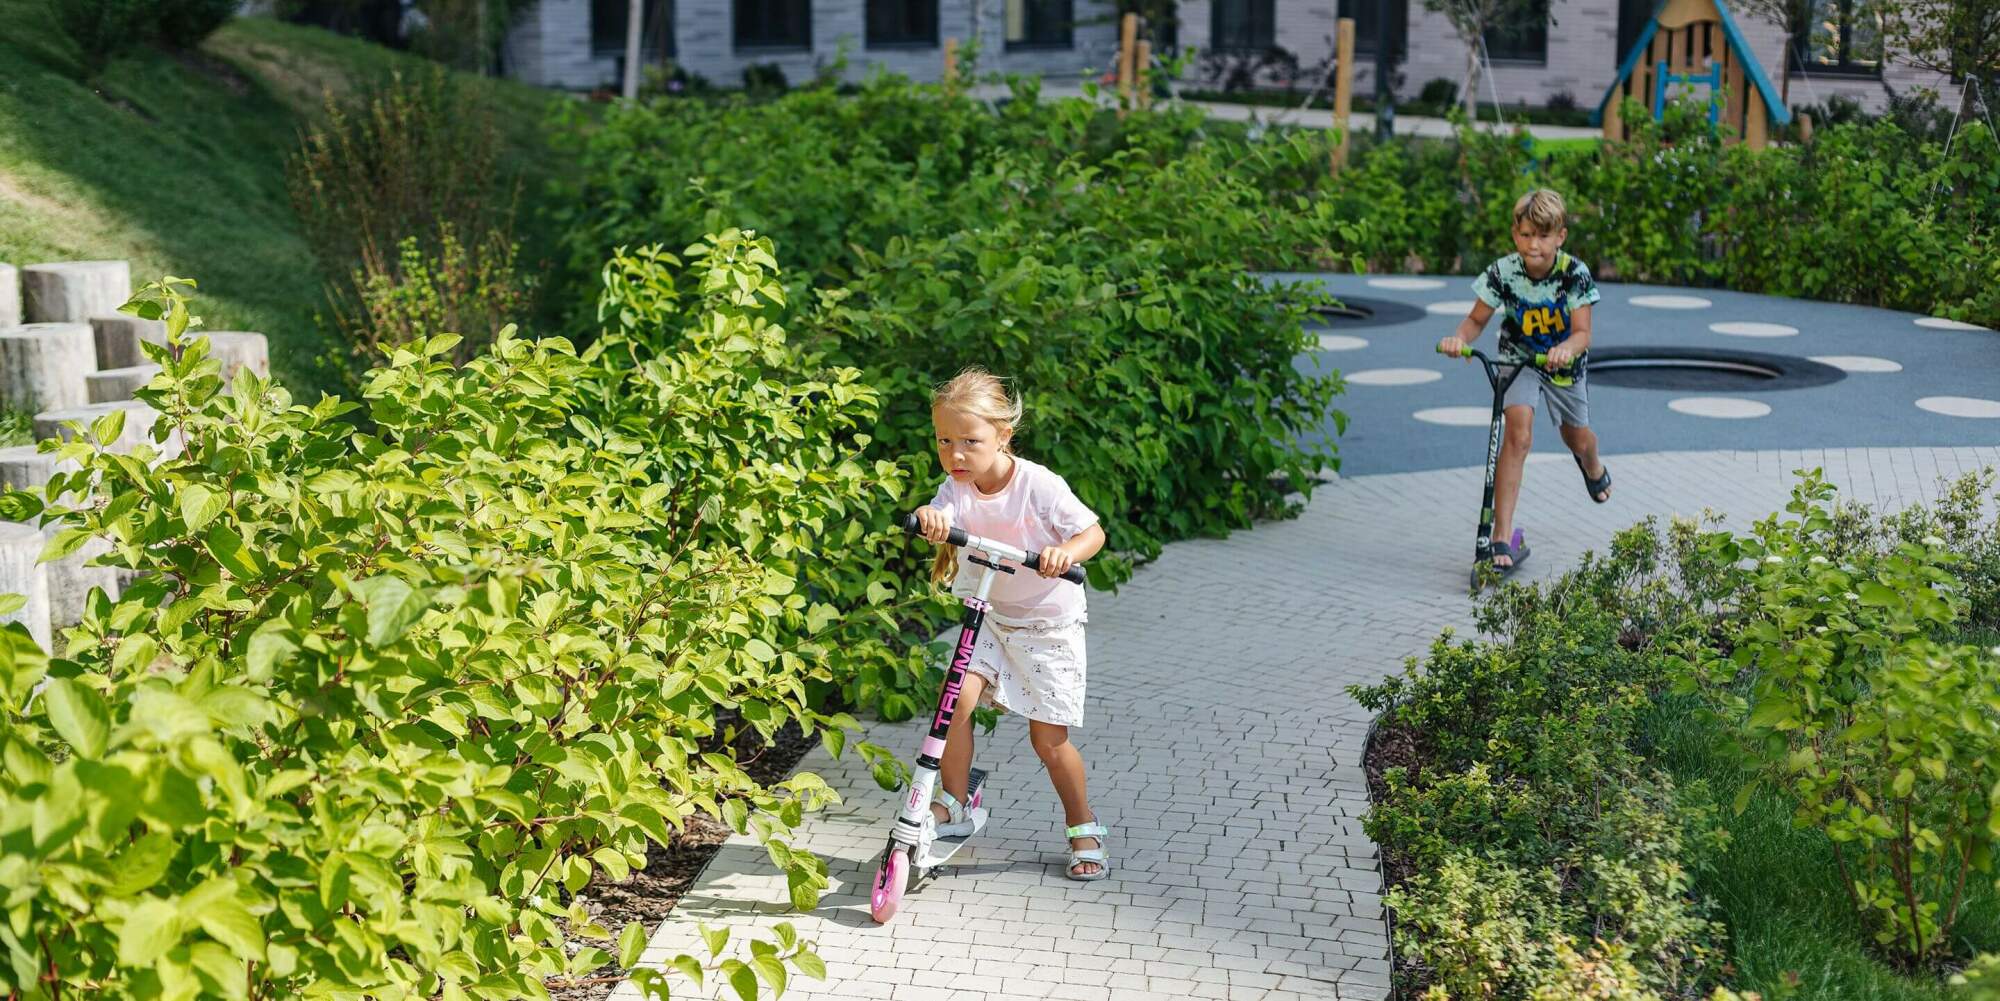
1066	773
955	768
1514	444
1582	443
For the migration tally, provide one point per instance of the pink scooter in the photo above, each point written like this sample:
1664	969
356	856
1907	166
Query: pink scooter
912	853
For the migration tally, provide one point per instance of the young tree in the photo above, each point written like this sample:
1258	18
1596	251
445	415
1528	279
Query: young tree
1473	21
1959	38
1795	17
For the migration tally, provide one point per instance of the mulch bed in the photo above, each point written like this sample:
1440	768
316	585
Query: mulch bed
650	894
1394	745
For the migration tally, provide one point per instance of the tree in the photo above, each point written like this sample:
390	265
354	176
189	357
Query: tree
1472	20
1795	18
1958	38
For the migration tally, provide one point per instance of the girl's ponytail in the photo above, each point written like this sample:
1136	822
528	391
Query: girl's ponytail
975	392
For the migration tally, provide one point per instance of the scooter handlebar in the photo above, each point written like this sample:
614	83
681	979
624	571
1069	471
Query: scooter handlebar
964	540
1468	351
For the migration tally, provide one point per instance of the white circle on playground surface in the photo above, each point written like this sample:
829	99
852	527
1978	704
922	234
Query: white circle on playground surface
1748	328
1393	376
1458	417
1728	407
1940	323
1961	406
1671	301
1406	284
1341	342
1858	363
1453	306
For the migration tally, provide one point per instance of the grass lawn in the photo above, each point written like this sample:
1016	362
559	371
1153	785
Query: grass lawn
1779	891
176	163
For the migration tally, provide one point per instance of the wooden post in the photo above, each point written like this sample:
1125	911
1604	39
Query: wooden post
1805	128
951	65
1754	125
1343	87
1143	79
1128	37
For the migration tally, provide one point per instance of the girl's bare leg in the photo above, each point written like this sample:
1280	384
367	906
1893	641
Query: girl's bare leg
1066	773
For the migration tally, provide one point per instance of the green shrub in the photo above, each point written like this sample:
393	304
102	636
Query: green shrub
1848	695
1100	262
468	291
102	30
183	24
379	698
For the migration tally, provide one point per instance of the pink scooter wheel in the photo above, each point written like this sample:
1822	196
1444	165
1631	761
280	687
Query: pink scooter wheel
892	877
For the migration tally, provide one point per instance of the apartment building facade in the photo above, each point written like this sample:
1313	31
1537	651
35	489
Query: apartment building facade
1574	51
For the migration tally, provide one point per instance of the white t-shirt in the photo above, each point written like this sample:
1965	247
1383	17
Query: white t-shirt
1036	509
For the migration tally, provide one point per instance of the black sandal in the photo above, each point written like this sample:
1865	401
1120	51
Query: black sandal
1504	549
1601	485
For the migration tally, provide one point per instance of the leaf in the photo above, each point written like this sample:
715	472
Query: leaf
151	928
1743	795
810	964
270	646
1905	780
11	603
690	967
717	938
760	650
79	716
230	923
742	978
393	606
631	944
1877	595
772	972
199	505
142	865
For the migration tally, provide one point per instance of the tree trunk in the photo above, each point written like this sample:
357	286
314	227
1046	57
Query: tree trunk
1469	93
634	25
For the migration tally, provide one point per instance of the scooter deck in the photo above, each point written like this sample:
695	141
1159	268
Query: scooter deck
940	850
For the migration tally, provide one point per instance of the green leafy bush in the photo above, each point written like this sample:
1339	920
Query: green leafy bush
182	24
1849	695
378	698
102	29
1538	848
1103	263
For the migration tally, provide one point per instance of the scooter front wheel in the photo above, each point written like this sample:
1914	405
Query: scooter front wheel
892	877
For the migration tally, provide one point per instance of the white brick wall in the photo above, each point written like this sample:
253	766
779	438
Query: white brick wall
1583	54
552	45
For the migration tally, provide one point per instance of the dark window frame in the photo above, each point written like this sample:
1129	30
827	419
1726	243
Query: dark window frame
607	39
1060	36
918	39
1533	45
1843	64
1364	28
801	42
1259	26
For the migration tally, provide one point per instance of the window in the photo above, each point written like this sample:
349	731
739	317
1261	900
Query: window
773	24
1039	24
1525	39
1242	25
1841	36
1366	15
902	22
607	28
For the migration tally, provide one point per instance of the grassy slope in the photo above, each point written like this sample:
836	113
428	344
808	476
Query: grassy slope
178	164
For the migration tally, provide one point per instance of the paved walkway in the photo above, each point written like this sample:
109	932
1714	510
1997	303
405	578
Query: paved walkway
1316	118
1223	750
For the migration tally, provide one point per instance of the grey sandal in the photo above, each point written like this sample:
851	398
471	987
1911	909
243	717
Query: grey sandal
1098	855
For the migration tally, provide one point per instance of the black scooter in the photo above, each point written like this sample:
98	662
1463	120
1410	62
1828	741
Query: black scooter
1482	551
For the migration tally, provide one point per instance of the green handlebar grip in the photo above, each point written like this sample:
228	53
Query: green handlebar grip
1542	360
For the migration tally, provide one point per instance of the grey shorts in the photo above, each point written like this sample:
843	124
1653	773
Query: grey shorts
1568	405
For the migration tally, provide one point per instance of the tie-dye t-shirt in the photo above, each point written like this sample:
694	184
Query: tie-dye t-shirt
1535	313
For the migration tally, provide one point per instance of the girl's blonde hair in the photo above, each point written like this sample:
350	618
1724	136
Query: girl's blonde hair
975	392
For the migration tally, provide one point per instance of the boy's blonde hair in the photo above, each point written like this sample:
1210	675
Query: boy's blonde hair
1543	209
975	392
